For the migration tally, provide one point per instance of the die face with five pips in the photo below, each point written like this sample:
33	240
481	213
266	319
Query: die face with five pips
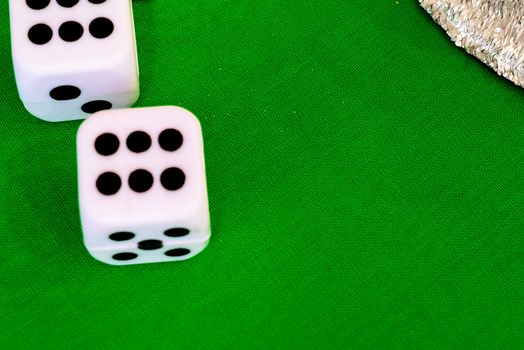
74	57
142	185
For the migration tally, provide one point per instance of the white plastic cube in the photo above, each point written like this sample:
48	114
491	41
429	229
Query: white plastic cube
74	57
142	185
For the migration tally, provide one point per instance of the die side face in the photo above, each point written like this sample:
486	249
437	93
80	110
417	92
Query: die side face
69	50
151	244
148	252
142	178
81	107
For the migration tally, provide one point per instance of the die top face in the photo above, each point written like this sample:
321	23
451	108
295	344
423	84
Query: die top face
138	166
60	36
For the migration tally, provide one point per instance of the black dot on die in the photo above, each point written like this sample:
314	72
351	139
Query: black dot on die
140	180
108	183
101	27
65	92
96	2
107	144
67	3
121	236
170	140
177	252
40	34
124	256
96	106
172	179
37	4
176	232
70	31
150	244
138	142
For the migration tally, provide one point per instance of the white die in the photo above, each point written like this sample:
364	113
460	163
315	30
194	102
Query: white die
142	185
74	57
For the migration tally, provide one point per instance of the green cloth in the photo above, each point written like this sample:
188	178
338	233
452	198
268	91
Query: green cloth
365	184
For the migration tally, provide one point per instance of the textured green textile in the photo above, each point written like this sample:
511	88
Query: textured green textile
365	183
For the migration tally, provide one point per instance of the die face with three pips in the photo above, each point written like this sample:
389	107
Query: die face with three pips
142	185
74	57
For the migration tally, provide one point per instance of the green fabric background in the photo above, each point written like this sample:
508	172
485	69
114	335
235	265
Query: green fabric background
365	183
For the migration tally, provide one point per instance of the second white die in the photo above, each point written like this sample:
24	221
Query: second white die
74	57
142	185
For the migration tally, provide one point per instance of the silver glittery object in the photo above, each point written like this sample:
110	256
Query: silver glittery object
492	30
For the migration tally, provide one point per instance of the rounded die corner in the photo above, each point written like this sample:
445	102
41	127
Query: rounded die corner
101	258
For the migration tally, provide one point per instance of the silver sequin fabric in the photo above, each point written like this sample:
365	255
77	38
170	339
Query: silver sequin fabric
491	30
